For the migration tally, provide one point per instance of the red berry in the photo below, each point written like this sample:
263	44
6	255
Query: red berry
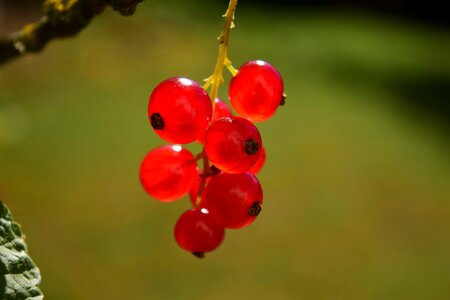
179	110
233	200
197	232
259	163
167	172
221	110
233	144
256	91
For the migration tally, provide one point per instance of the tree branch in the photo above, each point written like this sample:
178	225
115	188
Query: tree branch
62	18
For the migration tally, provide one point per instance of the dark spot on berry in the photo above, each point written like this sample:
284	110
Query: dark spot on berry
199	254
157	121
254	209
214	170
283	99
251	146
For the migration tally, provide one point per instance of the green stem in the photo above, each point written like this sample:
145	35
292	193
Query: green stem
216	79
222	58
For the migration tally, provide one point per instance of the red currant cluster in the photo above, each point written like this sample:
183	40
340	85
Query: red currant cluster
225	193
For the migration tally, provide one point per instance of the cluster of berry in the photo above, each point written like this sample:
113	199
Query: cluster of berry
225	193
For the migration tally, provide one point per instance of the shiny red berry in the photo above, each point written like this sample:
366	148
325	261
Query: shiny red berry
259	163
179	110
233	144
221	110
196	232
167	172
233	200
256	91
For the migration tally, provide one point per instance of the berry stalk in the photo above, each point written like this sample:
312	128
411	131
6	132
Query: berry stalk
206	173
213	82
216	78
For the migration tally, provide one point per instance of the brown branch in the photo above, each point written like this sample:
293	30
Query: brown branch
62	18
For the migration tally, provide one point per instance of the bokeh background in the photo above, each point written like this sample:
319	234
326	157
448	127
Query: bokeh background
357	177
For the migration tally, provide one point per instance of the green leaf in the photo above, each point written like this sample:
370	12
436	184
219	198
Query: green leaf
19	276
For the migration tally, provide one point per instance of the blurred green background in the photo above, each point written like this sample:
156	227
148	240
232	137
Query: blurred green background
356	182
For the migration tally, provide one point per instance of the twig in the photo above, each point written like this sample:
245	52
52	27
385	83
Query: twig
62	18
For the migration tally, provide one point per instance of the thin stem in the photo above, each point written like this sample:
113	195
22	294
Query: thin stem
213	82
222	58
206	166
206	173
230	68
